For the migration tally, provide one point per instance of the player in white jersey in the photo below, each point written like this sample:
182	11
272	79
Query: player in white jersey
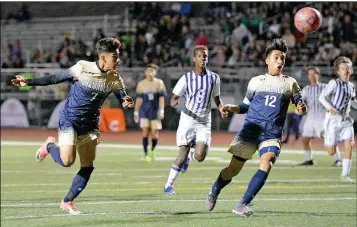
313	122
198	87
78	130
337	98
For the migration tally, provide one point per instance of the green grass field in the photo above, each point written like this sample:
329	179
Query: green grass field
126	191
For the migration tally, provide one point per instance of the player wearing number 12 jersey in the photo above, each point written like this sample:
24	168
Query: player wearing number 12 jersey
78	131
266	104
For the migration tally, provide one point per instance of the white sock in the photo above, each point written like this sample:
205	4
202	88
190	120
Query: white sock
174	172
308	155
346	167
192	156
337	154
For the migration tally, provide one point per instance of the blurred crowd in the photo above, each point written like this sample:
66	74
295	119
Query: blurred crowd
166	37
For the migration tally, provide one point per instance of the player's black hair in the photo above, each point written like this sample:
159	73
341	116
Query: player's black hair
316	70
277	44
154	66
109	45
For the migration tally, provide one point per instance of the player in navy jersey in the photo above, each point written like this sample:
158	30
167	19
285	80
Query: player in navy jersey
338	97
266	103
149	108
78	131
198	87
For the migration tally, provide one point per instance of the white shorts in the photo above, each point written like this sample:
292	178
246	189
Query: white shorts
337	129
70	137
313	128
191	130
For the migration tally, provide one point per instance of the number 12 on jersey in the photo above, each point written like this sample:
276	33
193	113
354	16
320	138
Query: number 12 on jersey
270	100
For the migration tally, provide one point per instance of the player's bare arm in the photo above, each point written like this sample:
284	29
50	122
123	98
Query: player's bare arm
220	106
174	100
138	104
161	107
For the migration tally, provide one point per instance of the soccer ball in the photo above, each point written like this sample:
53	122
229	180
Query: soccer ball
307	20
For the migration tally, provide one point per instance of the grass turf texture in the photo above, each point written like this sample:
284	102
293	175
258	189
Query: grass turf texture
126	191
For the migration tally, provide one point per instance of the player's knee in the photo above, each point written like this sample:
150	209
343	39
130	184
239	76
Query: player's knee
67	162
200	157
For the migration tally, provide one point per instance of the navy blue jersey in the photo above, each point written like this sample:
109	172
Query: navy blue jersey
268	98
91	86
150	92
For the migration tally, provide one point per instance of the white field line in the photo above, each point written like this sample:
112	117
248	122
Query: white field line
49	216
134	146
116	172
162	182
4	205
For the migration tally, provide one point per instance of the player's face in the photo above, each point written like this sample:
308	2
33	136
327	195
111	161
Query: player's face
111	61
150	73
201	58
276	62
313	77
344	71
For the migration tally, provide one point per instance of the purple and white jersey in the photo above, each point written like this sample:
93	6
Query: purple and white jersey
198	91
310	95
339	94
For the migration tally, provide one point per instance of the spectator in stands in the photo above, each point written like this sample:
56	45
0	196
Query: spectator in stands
20	16
289	38
202	39
348	30
241	32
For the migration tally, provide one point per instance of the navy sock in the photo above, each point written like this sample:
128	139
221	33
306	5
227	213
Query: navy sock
219	185
79	183
254	186
54	151
145	145
154	143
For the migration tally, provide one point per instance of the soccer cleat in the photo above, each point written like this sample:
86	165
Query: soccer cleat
169	190
346	179
211	201
69	207
147	158
242	210
152	154
337	163
307	163
42	152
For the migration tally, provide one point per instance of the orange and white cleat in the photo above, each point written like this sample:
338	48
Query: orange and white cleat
42	152
69	207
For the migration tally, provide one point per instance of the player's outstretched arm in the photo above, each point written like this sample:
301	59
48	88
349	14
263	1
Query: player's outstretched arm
21	81
220	106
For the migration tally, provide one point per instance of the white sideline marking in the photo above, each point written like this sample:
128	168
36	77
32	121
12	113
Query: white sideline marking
172	201
204	180
50	215
134	146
